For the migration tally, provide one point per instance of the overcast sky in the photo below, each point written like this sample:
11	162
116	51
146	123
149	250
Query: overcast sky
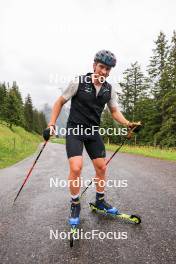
44	41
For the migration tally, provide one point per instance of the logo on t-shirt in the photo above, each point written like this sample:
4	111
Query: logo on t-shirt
88	89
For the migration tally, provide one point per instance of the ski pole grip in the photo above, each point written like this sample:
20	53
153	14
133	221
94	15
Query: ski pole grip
134	128
46	134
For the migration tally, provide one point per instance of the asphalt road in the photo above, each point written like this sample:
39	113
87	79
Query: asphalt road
29	229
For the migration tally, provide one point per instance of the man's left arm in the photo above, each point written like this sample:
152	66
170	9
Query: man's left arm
113	107
118	116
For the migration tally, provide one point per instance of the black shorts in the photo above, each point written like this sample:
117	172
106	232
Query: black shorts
93	143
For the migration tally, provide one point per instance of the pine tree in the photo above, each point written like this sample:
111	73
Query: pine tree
43	123
172	62
3	98
146	112
167	135
134	86
157	66
17	93
125	96
12	113
159	82
36	121
39	121
28	113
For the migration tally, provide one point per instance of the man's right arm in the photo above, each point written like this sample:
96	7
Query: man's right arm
56	110
69	92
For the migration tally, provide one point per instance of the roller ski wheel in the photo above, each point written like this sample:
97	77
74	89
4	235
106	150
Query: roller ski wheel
134	219
73	231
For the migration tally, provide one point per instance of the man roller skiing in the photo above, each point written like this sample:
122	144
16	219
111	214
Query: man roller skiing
89	94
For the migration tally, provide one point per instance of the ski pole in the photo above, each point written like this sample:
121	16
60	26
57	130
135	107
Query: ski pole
135	129
25	180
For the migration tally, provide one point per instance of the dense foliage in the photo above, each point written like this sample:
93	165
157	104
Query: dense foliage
16	112
151	97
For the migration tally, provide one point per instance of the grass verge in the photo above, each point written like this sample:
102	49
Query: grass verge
147	151
16	145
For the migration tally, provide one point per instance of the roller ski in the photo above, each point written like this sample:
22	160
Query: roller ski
74	221
106	209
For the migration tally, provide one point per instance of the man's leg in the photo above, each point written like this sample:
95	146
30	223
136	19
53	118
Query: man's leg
74	185
96	151
74	175
74	147
100	178
100	168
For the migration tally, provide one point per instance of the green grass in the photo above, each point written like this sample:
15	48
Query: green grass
16	145
167	154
